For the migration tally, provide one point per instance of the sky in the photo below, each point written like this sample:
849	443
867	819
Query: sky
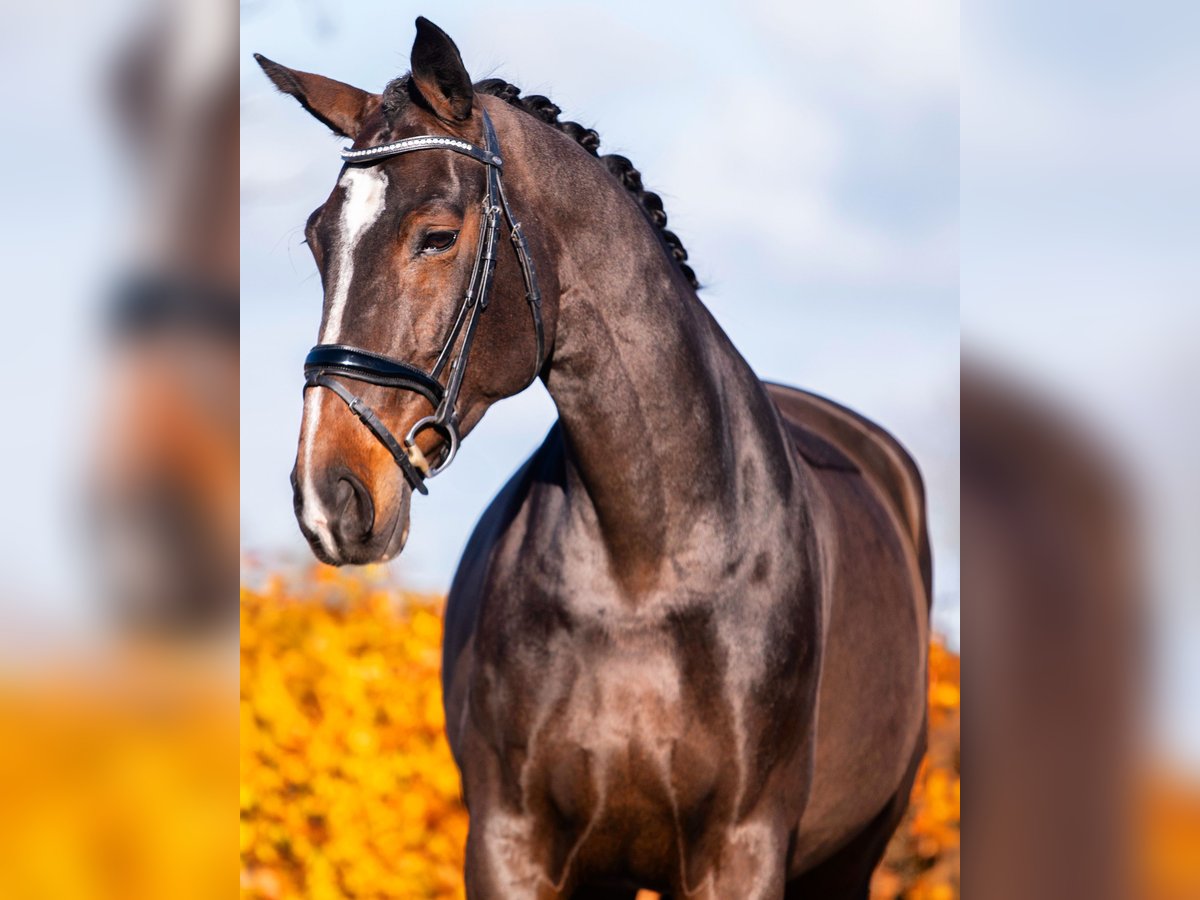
58	244
1080	193
807	155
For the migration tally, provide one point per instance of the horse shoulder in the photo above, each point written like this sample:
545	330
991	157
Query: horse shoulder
468	589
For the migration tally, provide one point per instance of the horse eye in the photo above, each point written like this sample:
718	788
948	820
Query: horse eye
438	241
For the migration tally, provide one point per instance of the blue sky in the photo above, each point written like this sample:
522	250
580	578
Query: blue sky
807	156
1079	244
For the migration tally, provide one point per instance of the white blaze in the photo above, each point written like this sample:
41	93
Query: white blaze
363	205
315	517
366	190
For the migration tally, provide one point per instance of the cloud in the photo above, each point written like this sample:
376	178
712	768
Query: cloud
769	188
878	47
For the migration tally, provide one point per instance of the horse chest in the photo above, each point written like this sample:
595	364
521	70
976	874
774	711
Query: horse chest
618	735
606	723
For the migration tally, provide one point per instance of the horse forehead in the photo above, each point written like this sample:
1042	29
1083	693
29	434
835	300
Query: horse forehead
363	201
364	198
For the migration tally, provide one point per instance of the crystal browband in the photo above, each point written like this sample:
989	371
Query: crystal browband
424	142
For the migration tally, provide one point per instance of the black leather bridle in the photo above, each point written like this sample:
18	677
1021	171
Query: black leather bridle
325	361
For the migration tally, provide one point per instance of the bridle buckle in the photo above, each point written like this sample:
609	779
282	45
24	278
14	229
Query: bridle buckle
418	458
327	360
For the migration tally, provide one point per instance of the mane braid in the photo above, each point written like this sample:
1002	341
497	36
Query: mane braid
400	92
619	166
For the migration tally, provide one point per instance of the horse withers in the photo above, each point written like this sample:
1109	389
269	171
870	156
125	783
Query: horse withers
686	645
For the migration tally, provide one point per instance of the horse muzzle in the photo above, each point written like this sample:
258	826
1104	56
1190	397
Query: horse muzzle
344	522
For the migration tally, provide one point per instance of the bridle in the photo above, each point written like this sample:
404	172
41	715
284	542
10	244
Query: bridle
147	304
325	361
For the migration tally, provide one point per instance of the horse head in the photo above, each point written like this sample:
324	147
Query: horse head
409	258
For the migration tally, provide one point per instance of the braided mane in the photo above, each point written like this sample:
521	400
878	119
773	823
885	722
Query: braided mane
651	204
400	91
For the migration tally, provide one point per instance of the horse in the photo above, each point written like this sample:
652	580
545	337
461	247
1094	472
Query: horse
161	494
1057	589
685	648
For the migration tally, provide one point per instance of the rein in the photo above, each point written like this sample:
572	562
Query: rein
325	361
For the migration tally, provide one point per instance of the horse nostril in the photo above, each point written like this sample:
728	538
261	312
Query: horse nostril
354	513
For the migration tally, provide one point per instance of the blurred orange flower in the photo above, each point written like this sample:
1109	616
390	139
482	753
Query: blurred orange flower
348	788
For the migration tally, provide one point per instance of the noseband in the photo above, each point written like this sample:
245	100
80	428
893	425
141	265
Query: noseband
325	361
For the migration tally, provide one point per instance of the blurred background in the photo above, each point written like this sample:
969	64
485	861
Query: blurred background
1080	287
118	668
1079	198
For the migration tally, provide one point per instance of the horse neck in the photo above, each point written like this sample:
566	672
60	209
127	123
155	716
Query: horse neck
669	432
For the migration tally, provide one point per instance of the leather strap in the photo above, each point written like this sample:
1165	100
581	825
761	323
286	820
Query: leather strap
369	418
532	295
362	365
325	360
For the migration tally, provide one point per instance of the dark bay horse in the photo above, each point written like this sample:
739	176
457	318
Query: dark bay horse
162	498
686	645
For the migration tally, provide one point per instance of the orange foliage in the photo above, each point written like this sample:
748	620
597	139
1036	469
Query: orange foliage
922	860
1168	836
116	775
348	788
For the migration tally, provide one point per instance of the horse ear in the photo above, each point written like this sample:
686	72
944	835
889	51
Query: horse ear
439	74
338	105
